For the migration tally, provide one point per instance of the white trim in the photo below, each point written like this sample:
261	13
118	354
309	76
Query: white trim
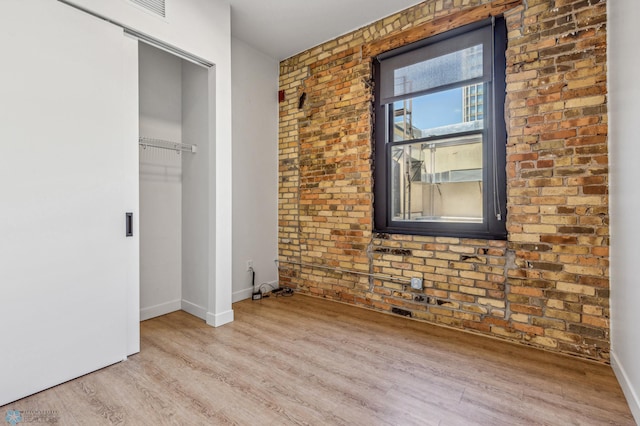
193	309
152	41
167	48
216	320
247	292
629	392
161	309
242	294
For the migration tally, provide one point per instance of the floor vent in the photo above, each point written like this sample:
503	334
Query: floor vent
402	312
155	6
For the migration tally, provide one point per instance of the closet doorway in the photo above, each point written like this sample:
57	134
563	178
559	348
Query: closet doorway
174	184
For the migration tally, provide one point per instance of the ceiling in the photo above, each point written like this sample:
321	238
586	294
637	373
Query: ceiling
283	28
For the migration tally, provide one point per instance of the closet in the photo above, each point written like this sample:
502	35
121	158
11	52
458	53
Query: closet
173	135
80	85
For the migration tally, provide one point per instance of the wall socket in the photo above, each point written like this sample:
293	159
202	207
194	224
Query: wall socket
249	265
416	283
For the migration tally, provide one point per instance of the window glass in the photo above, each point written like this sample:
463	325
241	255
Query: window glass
440	145
439	181
435	114
462	65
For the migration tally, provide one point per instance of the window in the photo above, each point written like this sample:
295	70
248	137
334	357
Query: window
440	137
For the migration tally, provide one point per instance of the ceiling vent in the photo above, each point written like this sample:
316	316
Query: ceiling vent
154	6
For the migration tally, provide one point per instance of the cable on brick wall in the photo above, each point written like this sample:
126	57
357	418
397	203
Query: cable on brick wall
349	271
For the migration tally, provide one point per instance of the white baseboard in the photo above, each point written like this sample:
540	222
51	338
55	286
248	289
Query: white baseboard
161	309
216	320
242	294
193	309
246	292
627	387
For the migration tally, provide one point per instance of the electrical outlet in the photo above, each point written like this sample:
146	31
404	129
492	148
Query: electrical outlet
416	283
249	265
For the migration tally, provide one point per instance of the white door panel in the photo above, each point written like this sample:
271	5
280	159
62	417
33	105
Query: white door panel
63	197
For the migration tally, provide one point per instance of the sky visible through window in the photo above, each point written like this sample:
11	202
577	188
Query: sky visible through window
438	109
433	110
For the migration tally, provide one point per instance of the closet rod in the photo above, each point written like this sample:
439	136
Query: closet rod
163	144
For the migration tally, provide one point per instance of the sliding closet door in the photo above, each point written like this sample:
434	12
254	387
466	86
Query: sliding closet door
65	174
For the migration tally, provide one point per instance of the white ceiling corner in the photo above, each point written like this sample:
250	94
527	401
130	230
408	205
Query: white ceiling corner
283	28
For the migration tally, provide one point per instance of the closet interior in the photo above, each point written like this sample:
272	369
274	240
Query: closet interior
174	169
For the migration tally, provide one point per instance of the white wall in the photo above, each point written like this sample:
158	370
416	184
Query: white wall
160	89
255	166
196	185
624	108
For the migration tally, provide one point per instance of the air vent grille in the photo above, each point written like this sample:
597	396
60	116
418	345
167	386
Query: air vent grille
155	6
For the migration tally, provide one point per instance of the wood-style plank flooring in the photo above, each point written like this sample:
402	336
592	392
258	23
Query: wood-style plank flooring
301	360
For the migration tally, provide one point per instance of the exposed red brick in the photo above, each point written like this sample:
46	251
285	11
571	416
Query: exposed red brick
555	262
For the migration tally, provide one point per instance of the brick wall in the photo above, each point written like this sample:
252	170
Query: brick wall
547	285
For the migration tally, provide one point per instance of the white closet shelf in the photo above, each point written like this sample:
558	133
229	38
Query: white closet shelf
164	144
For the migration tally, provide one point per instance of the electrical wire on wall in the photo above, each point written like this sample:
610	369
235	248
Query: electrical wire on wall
384	277
496	197
266	289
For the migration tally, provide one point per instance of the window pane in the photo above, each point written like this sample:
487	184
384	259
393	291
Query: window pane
437	181
432	175
459	66
449	111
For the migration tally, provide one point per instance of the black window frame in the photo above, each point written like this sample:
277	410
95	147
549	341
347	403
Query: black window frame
494	178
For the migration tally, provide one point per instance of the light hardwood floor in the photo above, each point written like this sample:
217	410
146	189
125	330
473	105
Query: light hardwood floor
301	360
